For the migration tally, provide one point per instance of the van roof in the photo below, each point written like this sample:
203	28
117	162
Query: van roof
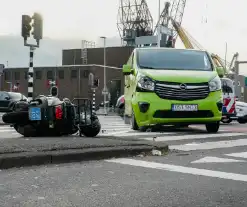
164	48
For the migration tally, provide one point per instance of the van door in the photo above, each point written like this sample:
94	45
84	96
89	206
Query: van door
127	89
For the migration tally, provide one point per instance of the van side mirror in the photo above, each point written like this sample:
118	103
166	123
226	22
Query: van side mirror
220	72
127	70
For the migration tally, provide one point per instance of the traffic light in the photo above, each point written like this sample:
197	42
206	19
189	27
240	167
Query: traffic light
26	26
96	83
54	91
37	26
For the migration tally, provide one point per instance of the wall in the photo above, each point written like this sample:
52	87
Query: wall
115	56
71	57
69	86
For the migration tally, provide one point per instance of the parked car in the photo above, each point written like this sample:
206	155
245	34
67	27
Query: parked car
8	98
241	109
120	105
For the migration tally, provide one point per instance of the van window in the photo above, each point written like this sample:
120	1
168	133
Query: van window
173	59
227	86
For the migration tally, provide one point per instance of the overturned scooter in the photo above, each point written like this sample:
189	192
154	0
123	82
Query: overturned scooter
49	116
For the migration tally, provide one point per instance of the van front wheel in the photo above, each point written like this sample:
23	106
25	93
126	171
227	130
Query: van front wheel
134	125
213	127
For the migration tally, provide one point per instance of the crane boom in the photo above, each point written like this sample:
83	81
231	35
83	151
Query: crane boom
176	13
184	38
188	43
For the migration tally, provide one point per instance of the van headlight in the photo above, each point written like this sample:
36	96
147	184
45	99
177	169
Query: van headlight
215	84
145	83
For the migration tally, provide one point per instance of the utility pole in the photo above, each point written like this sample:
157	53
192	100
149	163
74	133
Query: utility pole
94	84
105	91
34	23
225	55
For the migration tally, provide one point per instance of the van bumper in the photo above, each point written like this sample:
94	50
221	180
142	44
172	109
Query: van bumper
149	109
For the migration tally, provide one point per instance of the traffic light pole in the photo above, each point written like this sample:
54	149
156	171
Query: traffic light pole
94	101
37	34
30	74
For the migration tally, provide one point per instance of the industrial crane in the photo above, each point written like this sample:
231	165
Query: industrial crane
167	16
135	19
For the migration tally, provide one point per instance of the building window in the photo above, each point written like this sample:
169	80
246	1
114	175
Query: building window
25	75
7	75
38	75
49	75
84	73
73	73
17	75
61	74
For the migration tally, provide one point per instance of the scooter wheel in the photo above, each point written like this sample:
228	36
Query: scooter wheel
91	130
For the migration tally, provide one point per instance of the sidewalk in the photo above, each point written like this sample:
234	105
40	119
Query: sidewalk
17	152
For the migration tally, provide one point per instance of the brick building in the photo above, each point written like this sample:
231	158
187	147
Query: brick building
72	76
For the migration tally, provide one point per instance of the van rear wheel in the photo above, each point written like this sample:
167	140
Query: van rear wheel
134	125
213	127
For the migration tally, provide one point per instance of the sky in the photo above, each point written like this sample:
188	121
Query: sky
214	24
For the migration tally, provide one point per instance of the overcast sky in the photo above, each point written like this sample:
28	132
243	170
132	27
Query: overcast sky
210	22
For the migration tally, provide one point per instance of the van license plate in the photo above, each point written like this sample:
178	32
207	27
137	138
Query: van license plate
184	107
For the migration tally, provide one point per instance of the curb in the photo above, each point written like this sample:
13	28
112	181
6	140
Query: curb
66	156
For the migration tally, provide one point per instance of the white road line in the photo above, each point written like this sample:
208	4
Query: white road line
110	127
6	127
240	154
157	134
113	133
215	160
193	136
211	145
180	169
6	130
115	124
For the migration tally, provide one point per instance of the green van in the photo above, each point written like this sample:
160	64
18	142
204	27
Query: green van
168	86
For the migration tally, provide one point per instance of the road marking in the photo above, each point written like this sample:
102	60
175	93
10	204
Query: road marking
194	136
6	127
113	133
216	160
6	130
180	169
211	145
114	127
240	154
157	134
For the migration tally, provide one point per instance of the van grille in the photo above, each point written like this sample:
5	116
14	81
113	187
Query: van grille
188	91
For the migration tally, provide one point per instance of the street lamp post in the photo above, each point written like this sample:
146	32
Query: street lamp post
105	89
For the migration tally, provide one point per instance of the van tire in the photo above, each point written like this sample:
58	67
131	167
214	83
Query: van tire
134	125
213	127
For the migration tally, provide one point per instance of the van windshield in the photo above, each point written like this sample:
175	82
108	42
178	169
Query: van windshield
173	59
227	85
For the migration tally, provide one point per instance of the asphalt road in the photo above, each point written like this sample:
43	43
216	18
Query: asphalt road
105	183
201	170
